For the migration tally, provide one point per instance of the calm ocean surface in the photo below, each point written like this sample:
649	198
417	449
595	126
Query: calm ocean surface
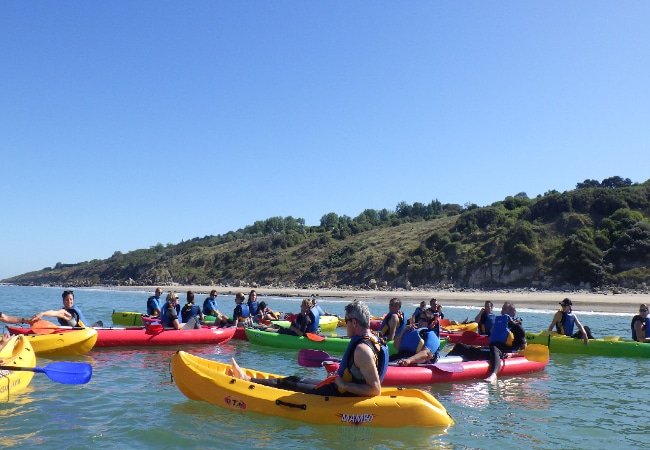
578	402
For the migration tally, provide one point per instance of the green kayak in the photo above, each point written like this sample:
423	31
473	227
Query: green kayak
327	344
608	346
326	323
126	318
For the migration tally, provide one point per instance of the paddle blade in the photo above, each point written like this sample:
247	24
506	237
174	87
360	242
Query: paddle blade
44	327
327	381
450	367
535	352
67	372
315	337
313	358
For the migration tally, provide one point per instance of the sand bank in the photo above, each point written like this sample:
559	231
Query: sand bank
582	301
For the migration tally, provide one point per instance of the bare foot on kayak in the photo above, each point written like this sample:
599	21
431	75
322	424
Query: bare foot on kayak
237	372
492	379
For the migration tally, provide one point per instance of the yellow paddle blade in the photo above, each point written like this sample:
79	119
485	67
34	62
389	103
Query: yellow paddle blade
611	338
535	352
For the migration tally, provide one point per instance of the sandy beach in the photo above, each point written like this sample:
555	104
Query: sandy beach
606	301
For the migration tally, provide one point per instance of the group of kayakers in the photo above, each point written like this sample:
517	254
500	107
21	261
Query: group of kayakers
246	312
417	339
365	361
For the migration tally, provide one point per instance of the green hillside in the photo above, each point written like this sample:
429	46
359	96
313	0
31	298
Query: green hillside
595	235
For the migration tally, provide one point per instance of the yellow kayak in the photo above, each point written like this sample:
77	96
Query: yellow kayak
16	353
207	380
461	327
63	343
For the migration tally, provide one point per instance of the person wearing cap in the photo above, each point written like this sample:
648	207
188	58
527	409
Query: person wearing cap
641	324
565	321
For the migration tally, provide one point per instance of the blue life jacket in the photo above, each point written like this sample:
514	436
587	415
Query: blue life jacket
486	323
416	340
252	307
500	331
190	310
244	312
378	346
316	323
565	326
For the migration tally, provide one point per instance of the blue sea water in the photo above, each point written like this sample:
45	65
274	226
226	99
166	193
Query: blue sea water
131	401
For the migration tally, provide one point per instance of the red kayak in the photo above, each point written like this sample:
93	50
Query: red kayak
115	337
240	333
467	337
533	359
138	336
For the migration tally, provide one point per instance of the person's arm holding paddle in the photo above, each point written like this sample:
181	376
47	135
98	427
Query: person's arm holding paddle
59	314
13	320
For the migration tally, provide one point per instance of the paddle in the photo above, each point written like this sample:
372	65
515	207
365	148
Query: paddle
316	358
327	381
313	358
44	327
443	367
535	352
315	337
61	372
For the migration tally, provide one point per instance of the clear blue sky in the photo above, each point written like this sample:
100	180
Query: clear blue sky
130	123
